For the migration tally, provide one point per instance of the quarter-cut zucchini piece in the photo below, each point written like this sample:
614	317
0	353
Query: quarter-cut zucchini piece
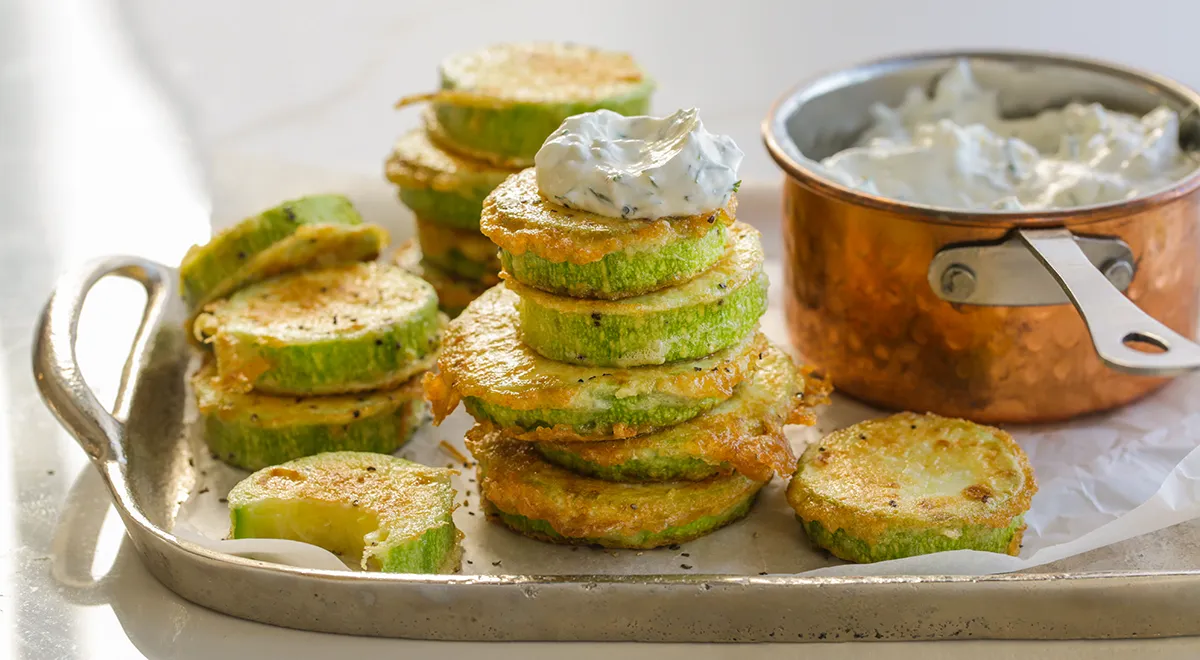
743	433
582	254
342	329
680	323
310	232
910	485
454	294
384	512
506	384
546	502
441	186
252	430
500	103
462	253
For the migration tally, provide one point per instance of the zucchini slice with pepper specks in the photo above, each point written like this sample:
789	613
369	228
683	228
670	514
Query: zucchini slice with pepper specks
913	484
441	186
501	102
342	329
384	512
506	384
462	253
584	255
743	433
252	431
683	322
310	232
546	502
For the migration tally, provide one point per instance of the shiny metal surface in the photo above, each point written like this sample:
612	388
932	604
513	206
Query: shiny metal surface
1008	274
863	304
1113	322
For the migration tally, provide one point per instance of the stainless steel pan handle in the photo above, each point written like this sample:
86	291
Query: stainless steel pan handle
1112	319
1031	267
56	368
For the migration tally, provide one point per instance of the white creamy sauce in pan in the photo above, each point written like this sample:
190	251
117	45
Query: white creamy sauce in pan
953	149
638	167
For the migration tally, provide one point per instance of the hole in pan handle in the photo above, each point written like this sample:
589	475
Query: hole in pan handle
1126	338
56	368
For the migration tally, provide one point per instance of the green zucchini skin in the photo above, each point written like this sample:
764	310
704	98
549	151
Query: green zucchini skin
252	431
620	274
390	330
503	382
658	467
912	484
453	209
644	540
516	95
644	413
463	254
544	501
898	544
457	265
439	186
685	322
386	513
586	255
320	230
512	134
743	433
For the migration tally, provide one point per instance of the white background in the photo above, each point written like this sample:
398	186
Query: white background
314	80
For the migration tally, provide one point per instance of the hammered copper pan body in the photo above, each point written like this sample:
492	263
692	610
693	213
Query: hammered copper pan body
859	297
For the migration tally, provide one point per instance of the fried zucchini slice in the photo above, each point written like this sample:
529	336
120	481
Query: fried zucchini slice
585	255
462	253
744	433
440	186
506	384
546	502
252	430
310	232
454	293
913	484
389	514
680	323
351	328
500	103
619	274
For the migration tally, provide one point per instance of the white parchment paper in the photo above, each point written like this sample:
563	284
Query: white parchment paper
1102	479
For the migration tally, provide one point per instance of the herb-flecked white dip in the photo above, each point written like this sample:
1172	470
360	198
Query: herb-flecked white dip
638	167
953	149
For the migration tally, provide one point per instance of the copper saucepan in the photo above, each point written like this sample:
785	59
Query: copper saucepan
966	313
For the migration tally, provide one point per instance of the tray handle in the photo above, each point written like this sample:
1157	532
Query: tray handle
56	367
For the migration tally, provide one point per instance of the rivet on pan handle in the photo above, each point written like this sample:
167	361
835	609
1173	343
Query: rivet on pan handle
1005	273
1112	319
56	368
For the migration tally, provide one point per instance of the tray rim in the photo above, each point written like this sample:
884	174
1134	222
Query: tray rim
182	565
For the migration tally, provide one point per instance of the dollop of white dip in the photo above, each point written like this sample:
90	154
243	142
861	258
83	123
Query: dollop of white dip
955	150
638	167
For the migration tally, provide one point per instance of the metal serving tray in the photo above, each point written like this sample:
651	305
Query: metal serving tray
148	456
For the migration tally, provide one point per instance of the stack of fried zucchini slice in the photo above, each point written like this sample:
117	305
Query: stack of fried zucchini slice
494	109
311	345
623	394
311	376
